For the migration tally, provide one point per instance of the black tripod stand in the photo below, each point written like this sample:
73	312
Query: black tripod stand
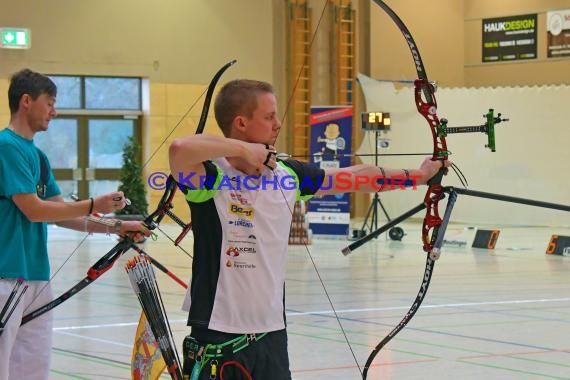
371	218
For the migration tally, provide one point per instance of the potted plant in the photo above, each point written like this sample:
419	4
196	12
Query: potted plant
132	184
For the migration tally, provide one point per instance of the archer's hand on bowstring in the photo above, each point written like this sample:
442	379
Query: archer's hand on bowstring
256	157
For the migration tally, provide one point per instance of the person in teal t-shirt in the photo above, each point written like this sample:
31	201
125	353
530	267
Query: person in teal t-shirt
29	198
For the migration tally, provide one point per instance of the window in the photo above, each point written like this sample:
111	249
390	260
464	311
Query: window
69	92
112	93
98	93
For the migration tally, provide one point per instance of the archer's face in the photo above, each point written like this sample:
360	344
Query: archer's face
264	125
40	111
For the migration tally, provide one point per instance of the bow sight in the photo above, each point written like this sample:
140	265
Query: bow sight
488	128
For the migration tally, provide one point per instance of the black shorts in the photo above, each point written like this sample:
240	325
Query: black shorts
263	359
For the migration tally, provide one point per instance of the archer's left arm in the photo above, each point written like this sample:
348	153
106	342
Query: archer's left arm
367	178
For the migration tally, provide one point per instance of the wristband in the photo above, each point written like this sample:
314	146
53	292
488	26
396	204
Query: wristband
91	206
118	224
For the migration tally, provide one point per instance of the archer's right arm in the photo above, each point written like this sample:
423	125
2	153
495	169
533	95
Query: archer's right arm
187	154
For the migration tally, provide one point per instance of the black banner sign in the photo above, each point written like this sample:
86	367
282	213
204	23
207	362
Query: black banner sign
509	38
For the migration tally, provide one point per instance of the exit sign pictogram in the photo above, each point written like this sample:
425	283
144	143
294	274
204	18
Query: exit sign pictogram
15	38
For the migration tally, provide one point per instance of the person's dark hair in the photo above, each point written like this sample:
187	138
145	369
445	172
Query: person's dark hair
238	97
28	82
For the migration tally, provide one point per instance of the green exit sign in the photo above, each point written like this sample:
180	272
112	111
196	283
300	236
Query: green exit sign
15	38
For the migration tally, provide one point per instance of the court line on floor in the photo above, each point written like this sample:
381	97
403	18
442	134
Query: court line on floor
345	311
438	306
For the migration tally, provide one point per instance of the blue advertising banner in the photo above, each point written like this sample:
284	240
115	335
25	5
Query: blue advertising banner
331	142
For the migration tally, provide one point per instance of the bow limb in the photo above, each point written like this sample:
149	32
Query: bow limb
101	266
209	93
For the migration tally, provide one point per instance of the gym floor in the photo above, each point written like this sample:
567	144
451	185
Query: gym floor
488	314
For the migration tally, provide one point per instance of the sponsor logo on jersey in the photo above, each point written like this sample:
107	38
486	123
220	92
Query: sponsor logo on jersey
240	210
232	251
235	251
243	266
241	223
237	197
241	242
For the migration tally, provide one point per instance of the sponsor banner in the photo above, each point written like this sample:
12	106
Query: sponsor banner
330	147
509	38
558	33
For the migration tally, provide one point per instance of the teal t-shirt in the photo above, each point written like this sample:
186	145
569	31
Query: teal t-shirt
23	251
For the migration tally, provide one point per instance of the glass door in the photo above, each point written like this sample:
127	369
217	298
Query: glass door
61	144
106	139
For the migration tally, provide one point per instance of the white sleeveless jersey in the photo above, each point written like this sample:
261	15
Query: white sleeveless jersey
241	229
